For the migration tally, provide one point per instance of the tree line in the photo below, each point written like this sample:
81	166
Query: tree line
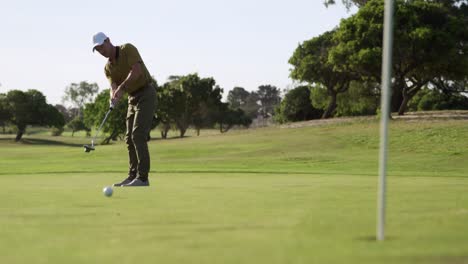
430	51
182	102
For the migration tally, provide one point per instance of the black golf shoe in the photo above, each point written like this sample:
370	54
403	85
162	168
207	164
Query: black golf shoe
137	183
122	183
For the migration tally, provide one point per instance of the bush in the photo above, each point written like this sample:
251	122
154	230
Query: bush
430	99
56	131
297	106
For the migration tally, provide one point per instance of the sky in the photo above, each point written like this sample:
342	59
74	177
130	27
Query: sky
47	45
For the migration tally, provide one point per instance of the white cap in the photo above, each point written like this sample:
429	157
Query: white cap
98	39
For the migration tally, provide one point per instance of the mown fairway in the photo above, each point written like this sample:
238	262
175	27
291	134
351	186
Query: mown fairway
274	195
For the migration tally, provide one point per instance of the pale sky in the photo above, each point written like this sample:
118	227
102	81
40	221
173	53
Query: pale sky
46	45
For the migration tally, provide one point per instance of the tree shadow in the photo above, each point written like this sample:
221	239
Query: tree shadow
168	138
38	141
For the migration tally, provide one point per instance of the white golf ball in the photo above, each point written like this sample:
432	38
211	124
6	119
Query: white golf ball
107	191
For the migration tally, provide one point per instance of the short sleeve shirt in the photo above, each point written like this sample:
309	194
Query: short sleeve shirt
116	72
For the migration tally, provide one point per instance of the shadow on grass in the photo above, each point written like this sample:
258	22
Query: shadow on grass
37	141
374	238
430	259
168	138
227	172
188	172
442	259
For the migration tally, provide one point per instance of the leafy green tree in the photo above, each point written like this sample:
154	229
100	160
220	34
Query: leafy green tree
319	96
360	3
237	97
347	3
192	100
79	94
208	107
54	119
429	43
76	125
5	114
436	38
229	118
156	121
362	98
115	125
67	113
31	108
311	64
453	76
297	106
184	103
165	113
269	97
251	107
248	102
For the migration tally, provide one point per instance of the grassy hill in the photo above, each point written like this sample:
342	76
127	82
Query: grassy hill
271	195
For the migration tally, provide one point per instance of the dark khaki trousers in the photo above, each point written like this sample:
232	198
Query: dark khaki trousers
141	107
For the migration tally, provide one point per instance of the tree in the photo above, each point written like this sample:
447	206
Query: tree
237	97
79	94
68	114
76	125
165	114
269	97
192	100
208	107
116	122
31	108
362	98
453	76
311	64
436	33
297	106
251	107
54	119
347	3
229	118
5	114
430	42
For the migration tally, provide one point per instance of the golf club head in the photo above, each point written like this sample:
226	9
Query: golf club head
88	148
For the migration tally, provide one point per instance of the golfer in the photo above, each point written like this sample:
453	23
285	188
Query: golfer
128	74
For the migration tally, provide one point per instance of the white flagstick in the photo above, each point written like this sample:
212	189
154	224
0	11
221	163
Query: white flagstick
385	113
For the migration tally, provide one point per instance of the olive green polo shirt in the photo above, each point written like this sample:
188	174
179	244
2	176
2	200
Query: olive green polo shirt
116	72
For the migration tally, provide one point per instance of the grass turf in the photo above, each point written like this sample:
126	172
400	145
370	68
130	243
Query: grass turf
302	195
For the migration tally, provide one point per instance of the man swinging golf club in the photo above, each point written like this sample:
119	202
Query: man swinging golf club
128	74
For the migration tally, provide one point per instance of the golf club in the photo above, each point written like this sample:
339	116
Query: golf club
89	148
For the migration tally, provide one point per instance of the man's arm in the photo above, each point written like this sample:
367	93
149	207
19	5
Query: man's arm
135	72
113	89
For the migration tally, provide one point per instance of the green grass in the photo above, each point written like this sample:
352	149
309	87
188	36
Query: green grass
274	195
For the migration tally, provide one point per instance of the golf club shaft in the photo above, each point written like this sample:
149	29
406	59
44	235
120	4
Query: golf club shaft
102	123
